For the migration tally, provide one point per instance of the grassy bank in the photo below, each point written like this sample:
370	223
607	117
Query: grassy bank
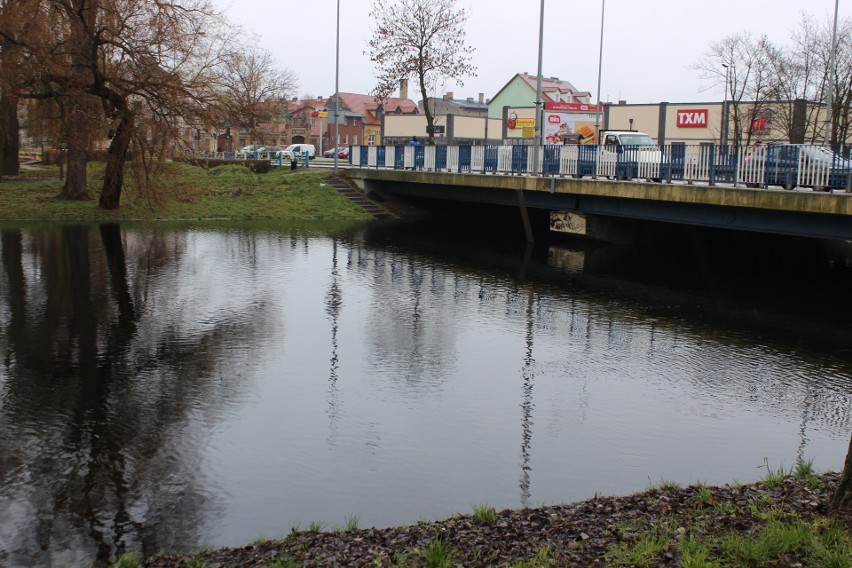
780	521
183	192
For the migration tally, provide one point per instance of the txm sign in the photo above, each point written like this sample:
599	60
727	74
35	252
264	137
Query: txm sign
692	118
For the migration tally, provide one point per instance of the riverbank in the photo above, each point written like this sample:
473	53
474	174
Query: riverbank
183	192
779	522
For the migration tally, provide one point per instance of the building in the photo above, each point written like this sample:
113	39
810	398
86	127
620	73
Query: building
457	107
797	122
369	111
520	91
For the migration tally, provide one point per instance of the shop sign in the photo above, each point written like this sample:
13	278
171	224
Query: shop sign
692	118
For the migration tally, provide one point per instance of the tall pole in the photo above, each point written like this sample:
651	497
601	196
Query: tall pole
600	66
337	89
539	113
831	78
723	131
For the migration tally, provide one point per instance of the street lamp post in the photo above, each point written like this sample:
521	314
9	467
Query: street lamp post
337	89
723	132
831	77
600	66
539	113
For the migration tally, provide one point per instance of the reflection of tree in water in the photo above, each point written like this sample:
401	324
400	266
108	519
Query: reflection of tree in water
409	324
104	409
591	315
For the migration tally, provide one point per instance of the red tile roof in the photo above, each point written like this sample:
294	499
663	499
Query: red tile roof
366	105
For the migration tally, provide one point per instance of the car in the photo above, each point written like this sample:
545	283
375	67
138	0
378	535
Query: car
343	153
331	152
246	150
797	165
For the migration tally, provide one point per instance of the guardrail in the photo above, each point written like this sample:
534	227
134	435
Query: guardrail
785	165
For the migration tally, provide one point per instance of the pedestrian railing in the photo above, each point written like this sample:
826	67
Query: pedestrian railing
788	166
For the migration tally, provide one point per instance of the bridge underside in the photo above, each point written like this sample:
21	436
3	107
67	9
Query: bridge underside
802	214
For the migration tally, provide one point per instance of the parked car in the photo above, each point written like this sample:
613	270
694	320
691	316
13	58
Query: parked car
250	149
798	165
331	152
343	153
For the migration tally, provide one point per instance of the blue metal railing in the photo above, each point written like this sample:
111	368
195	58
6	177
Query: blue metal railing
775	165
782	165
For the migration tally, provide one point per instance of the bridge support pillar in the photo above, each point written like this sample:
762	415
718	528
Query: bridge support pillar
591	227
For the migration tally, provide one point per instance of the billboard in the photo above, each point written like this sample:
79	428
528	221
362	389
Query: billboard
569	127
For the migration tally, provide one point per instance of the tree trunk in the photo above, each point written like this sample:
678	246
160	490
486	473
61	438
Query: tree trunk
116	159
842	502
9	136
76	125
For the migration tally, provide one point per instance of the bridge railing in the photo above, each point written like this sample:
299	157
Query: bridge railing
783	165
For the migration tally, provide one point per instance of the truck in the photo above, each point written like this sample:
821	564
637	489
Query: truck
627	154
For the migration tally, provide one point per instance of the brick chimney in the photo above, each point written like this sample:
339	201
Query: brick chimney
403	88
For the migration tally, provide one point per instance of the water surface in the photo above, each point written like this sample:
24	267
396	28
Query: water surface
174	387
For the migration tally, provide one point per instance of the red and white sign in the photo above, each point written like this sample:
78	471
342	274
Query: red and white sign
692	118
570	107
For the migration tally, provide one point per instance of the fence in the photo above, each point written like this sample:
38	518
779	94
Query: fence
785	165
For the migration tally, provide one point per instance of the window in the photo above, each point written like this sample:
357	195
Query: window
371	139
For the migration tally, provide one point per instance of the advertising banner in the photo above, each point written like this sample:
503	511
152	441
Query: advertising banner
569	128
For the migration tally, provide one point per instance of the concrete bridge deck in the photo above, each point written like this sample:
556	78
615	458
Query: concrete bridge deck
798	212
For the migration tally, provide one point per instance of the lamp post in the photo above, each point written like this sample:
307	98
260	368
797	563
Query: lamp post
337	89
723	132
600	66
539	113
831	78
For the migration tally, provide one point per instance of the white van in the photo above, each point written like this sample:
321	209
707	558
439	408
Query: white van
298	152
627	154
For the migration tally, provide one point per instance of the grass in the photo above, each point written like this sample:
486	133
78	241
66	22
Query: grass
350	524
485	513
437	554
779	537
127	560
184	192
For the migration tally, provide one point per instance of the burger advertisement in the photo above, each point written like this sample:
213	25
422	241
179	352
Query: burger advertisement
566	123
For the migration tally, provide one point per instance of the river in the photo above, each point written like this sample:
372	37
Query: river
168	387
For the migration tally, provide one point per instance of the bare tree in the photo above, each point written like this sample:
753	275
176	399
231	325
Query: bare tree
141	59
797	77
253	90
841	112
794	75
423	39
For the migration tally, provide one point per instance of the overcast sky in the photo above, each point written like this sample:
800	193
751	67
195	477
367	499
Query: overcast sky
649	46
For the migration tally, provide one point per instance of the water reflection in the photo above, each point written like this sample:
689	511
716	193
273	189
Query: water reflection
104	407
167	388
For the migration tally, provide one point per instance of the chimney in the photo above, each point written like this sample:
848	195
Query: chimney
448	96
481	98
403	88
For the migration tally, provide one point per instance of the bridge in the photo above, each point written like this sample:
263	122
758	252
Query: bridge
740	190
